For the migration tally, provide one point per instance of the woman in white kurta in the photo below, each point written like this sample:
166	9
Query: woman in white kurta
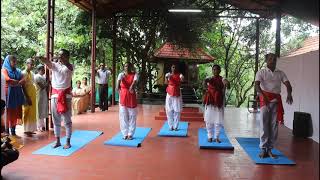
173	98
214	103
42	97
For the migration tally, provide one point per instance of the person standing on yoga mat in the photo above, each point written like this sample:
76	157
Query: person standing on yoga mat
128	101
268	85
213	101
173	98
62	72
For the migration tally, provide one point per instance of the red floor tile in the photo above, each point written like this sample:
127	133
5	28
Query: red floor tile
162	157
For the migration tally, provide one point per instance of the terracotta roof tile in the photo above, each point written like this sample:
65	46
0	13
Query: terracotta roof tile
310	44
171	51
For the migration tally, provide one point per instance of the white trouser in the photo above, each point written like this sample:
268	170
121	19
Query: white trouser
57	118
213	130
41	123
213	117
127	117
173	119
173	110
268	126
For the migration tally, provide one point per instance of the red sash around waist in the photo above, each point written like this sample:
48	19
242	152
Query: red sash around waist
62	102
271	96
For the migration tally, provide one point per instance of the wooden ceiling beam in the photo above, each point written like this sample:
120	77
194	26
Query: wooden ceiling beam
83	4
265	8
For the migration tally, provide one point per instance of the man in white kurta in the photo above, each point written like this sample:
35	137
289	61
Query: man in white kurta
174	98
42	97
102	80
268	85
62	72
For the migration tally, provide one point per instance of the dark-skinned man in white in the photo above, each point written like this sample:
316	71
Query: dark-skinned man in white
268	85
61	97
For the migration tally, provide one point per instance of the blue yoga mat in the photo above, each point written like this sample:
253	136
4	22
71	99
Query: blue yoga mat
139	135
182	130
251	146
204	144
79	139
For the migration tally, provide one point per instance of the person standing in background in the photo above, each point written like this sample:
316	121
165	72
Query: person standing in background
29	110
102	80
14	92
42	97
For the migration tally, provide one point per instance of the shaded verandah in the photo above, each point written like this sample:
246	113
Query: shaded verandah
109	9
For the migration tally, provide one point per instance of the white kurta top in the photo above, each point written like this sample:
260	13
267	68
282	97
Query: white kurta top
103	76
271	81
42	96
122	75
61	77
78	91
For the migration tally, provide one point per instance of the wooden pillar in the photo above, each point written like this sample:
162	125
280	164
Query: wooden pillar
256	63
114	59
278	35
49	54
93	56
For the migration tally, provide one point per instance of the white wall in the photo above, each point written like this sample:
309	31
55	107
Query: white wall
303	73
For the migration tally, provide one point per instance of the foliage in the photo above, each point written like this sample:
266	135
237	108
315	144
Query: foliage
23	30
232	43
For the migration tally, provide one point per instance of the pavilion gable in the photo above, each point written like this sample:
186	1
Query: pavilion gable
170	51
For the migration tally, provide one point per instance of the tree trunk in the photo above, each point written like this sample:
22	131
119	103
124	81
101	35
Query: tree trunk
150	77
